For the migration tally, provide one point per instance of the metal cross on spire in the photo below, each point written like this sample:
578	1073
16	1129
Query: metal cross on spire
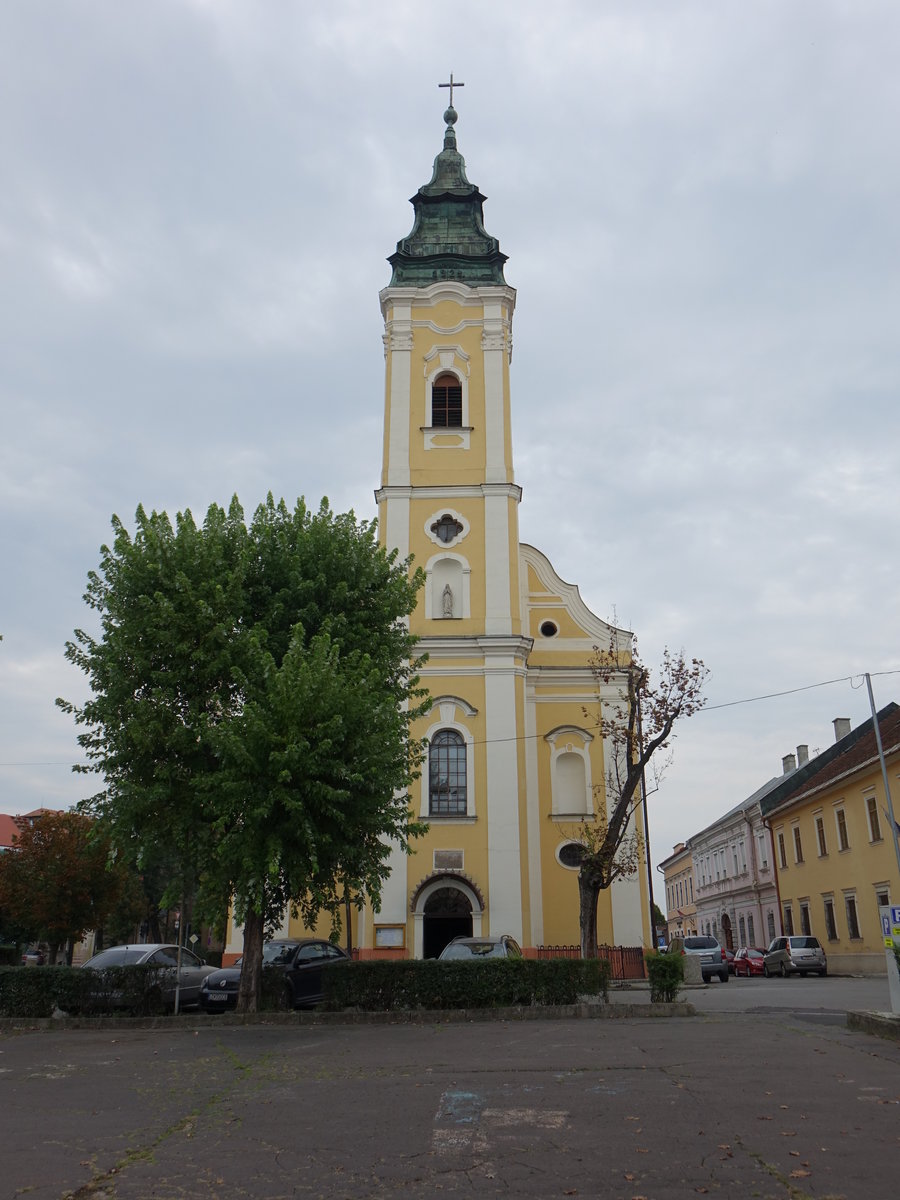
451	85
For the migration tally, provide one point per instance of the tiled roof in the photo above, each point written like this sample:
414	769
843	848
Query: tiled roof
8	830
852	751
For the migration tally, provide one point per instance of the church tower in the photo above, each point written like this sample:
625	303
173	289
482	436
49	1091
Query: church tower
511	758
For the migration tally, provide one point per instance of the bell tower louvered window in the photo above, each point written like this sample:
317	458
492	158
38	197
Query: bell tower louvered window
446	402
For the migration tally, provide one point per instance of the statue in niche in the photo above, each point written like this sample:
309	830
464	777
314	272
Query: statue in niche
447	601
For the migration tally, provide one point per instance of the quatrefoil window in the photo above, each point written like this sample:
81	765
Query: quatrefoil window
446	529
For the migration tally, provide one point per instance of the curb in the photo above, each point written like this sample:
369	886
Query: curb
559	1012
882	1024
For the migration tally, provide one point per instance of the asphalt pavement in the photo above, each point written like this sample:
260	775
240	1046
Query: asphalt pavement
767	1103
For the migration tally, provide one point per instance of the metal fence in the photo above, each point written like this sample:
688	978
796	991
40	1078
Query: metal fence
627	961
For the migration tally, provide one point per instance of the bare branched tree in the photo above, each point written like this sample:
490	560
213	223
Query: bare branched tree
635	719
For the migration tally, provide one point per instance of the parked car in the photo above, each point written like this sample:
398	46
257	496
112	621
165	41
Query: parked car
795	955
729	958
299	959
33	957
749	961
712	956
476	949
162	959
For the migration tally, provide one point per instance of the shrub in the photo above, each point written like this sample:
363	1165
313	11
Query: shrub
40	991
428	984
666	975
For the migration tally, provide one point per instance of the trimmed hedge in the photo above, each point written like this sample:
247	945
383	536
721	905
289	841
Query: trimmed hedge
426	983
666	975
41	991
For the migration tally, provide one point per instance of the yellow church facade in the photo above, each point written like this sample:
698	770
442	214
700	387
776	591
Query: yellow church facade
514	765
513	768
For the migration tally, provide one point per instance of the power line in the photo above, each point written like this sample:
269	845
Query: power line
808	687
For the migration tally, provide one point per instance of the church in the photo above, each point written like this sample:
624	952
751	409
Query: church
513	768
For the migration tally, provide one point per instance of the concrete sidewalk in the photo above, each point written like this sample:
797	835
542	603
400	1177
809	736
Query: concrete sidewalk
765	1105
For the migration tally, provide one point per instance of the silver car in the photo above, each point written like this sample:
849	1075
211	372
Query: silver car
795	955
712	957
164	975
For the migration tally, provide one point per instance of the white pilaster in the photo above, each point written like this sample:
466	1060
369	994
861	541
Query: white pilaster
533	817
504	851
398	345
498	550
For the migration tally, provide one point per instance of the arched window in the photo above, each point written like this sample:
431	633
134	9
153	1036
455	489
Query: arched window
446	402
447	775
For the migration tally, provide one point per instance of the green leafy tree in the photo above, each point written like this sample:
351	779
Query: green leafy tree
253	691
59	879
160	673
635	717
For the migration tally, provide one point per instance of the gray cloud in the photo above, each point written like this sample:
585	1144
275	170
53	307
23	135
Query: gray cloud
699	204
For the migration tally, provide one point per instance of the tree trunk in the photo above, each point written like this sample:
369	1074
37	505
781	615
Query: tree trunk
155	930
251	965
588	896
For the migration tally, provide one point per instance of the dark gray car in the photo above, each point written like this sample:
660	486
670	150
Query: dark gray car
300	962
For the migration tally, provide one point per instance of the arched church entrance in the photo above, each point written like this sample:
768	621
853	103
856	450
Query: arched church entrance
447	914
727	932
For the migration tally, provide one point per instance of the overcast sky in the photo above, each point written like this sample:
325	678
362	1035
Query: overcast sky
700	205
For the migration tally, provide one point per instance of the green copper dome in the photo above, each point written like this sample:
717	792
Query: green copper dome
448	239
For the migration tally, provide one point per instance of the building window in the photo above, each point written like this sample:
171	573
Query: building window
841	820
770	924
830	923
570	855
446	528
852	916
735	859
805	926
798	845
447	775
763	852
788	920
691	887
882	896
750	937
872	815
782	852
821	844
446	402
742	930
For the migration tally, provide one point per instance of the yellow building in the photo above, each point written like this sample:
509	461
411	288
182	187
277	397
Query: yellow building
681	908
835	850
513	765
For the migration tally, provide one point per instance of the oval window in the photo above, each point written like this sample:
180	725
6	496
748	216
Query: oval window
570	855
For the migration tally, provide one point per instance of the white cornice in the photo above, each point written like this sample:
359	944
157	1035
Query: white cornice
447	289
485	645
467	491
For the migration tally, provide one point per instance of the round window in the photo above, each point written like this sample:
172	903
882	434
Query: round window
549	629
570	855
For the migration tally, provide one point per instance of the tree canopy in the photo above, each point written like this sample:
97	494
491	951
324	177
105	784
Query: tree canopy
59	879
253	687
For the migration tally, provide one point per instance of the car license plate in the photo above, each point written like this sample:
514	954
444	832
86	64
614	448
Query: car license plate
216	998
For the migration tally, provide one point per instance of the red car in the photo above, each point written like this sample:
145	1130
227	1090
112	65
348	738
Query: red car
749	961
